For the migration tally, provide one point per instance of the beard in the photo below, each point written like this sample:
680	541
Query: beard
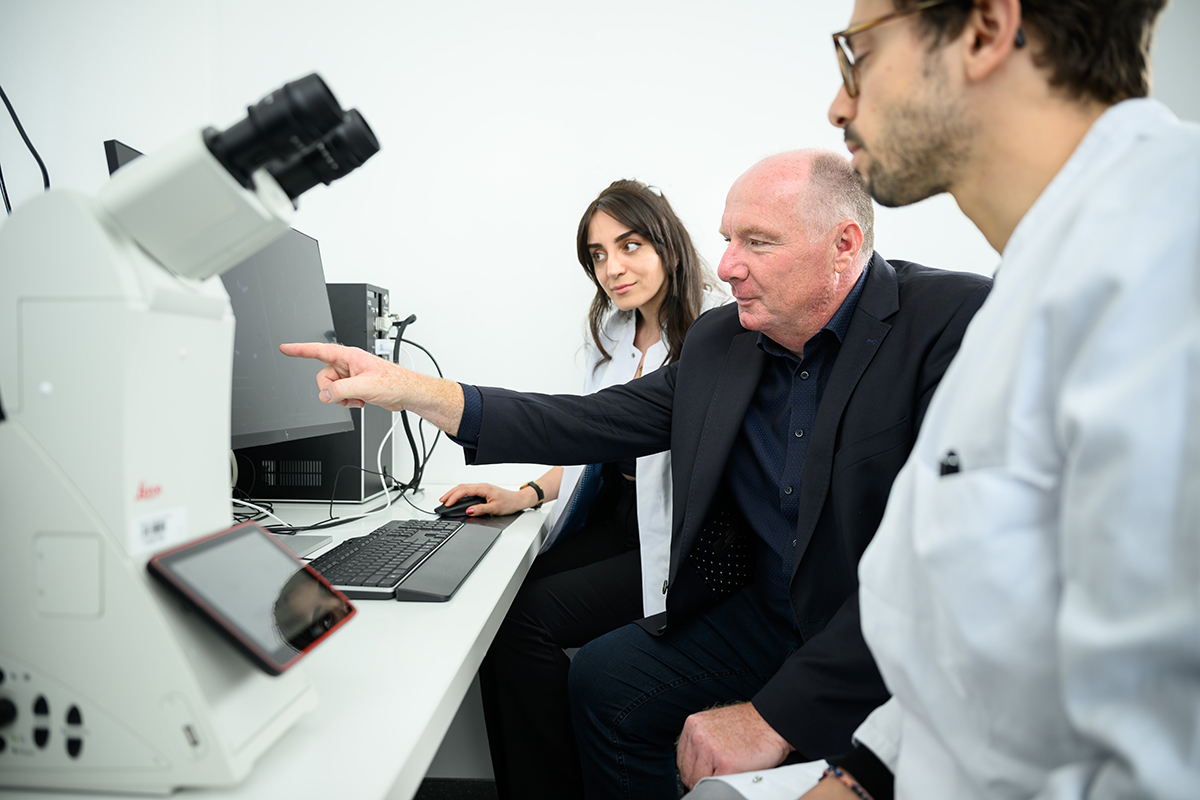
921	149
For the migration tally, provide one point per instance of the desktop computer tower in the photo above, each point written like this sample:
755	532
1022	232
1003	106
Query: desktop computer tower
340	466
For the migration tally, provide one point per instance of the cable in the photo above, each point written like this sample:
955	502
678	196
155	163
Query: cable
418	508
420	455
382	473
21	130
259	509
4	194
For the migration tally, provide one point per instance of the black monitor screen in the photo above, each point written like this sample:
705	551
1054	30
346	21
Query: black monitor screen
278	295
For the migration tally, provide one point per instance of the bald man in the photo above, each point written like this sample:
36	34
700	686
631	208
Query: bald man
787	415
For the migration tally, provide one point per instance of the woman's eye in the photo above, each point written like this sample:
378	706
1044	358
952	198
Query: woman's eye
597	256
631	247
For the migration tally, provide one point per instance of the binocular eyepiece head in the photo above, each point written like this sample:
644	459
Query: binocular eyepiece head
341	151
300	133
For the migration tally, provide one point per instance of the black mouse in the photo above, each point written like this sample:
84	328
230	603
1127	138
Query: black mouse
460	506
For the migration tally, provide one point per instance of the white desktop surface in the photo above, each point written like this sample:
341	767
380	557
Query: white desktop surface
388	683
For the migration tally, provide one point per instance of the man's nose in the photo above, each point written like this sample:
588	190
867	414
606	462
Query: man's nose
842	109
730	266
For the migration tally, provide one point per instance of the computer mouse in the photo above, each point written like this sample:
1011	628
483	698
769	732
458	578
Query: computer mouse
459	507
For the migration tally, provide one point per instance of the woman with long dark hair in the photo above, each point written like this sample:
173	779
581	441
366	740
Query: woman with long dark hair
606	554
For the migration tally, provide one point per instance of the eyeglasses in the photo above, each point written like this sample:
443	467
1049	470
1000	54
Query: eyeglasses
841	40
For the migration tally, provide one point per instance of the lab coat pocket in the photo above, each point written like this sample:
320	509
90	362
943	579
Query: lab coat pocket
987	537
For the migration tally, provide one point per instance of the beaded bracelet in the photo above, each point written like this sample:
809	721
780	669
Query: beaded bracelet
848	782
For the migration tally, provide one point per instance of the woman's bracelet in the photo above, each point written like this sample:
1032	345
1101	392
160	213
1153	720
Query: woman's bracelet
848	782
541	495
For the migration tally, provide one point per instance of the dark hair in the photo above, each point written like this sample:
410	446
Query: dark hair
645	211
1095	49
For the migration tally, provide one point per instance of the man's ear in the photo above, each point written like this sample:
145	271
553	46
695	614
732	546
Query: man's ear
990	36
847	243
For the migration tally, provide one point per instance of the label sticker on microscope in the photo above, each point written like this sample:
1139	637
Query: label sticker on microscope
158	530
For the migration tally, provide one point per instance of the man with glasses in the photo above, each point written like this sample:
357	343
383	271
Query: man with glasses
1033	593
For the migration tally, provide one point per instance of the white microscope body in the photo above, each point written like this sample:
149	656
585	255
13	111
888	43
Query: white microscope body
116	343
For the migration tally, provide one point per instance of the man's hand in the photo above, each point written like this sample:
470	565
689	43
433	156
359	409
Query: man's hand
353	377
725	740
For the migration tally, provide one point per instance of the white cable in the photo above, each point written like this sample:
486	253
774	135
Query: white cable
259	509
383	478
379	453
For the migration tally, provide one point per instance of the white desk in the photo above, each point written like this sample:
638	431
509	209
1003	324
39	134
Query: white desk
389	682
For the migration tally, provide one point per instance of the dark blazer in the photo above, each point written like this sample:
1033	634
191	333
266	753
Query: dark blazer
904	332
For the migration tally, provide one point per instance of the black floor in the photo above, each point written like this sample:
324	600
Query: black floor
456	789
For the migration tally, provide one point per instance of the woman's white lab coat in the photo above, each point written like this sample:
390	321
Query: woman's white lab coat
653	471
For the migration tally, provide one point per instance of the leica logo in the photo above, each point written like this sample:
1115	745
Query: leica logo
145	492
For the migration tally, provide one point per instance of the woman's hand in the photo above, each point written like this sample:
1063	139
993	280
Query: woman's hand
500	502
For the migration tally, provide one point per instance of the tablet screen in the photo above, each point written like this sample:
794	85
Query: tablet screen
272	606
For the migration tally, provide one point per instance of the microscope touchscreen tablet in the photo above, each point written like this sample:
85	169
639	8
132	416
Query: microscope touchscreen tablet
270	605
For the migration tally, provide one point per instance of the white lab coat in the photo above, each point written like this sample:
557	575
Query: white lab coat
1036	614
653	471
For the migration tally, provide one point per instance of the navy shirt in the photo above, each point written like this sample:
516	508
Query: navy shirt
767	459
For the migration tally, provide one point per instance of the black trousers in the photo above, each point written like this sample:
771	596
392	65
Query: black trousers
582	588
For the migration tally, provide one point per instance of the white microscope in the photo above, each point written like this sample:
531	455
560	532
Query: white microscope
114	445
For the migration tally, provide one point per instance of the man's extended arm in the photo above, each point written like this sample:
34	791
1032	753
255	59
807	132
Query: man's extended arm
353	377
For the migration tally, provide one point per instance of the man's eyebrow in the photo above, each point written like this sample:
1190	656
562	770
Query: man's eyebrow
755	232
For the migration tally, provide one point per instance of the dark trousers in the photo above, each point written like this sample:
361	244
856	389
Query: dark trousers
631	692
586	586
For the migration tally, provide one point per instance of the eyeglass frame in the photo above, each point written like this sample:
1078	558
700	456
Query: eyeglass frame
841	40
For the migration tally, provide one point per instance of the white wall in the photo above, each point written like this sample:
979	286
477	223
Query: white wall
499	122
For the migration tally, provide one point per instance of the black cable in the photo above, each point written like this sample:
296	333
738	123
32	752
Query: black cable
420	455
417	507
420	458
421	430
333	494
426	352
418	467
332	522
12	112
4	194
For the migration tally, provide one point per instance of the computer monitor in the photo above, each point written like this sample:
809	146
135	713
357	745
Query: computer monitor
278	295
118	154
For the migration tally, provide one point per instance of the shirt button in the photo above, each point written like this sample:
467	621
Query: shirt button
804	375
799	433
787	490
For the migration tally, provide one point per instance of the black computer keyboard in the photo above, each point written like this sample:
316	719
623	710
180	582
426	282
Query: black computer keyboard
372	565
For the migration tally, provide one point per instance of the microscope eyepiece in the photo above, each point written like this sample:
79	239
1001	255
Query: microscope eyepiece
281	125
339	153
